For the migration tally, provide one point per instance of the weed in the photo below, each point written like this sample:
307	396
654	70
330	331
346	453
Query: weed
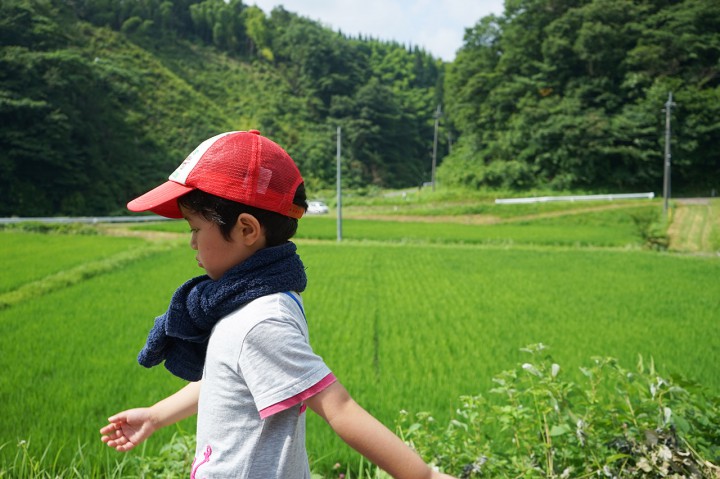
619	424
652	231
50	228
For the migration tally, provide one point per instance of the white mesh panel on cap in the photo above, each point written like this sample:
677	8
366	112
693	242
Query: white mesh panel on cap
182	172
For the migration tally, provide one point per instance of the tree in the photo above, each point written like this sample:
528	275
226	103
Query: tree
567	93
258	33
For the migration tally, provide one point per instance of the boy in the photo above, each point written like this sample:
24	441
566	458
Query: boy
238	333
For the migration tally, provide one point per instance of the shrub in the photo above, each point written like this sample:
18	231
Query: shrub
172	461
652	232
621	424
51	228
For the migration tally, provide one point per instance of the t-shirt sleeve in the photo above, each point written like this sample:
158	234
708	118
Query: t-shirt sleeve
279	366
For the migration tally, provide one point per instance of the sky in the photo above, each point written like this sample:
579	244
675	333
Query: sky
436	26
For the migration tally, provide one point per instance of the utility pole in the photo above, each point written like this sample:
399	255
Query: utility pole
339	188
666	175
437	115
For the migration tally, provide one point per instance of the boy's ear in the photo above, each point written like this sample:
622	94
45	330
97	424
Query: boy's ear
251	232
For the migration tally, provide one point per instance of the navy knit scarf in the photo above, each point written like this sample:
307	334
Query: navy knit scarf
180	336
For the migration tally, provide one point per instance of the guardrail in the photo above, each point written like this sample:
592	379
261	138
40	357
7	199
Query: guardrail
545	199
85	219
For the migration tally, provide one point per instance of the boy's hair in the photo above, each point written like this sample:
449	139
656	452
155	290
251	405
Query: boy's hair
277	228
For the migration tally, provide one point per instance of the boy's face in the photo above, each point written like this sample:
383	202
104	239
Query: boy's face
215	254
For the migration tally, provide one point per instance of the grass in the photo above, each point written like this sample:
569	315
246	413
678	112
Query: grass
27	257
696	226
73	351
547	232
444	202
611	226
409	315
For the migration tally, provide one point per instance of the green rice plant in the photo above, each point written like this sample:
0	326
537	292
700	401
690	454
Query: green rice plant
612	228
77	274
501	234
551	224
488	208
33	463
404	326
396	322
73	350
374	197
571	213
170	462
445	201
173	460
614	423
28	257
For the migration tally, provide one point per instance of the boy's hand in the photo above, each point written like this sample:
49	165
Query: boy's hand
128	429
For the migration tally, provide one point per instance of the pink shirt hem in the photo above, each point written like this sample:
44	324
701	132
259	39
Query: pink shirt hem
298	398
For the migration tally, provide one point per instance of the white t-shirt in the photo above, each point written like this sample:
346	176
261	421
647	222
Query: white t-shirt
258	371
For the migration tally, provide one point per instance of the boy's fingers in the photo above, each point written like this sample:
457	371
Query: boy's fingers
107	429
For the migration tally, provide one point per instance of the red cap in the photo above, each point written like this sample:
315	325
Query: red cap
240	166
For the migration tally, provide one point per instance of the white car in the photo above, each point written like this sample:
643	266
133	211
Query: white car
317	208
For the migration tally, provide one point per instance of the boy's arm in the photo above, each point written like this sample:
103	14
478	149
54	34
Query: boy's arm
369	436
129	428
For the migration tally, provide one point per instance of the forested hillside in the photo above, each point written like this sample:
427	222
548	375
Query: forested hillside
570	93
100	100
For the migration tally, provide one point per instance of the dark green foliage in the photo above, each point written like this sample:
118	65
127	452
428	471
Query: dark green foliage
82	119
61	130
568	94
101	100
651	229
614	422
50	228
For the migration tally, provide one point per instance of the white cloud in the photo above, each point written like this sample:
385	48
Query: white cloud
437	27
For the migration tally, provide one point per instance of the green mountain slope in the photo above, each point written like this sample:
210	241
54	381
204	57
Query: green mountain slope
99	101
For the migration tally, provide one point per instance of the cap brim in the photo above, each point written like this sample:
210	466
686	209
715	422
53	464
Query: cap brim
161	200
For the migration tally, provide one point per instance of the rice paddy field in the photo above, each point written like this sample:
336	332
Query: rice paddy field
409	313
